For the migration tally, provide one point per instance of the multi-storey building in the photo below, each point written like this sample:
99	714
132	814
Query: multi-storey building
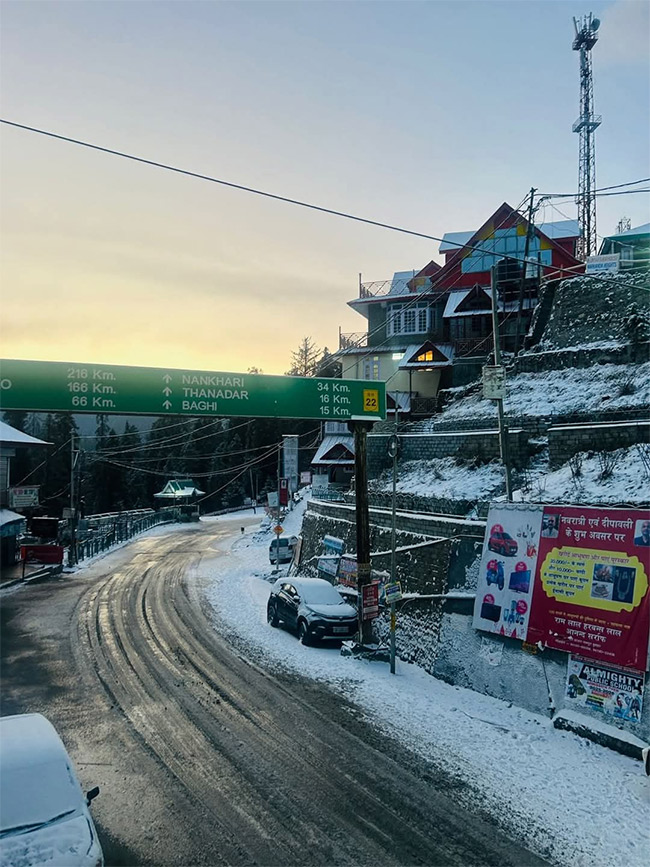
433	328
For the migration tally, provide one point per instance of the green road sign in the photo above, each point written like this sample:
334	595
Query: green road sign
46	386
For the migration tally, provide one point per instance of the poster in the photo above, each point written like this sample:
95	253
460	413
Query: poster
617	692
591	584
505	583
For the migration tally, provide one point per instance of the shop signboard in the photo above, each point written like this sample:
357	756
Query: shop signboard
348	571
607	263
569	577
328	562
42	553
494	382
370	601
616	692
23	498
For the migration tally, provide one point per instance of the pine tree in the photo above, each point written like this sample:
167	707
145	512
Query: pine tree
305	359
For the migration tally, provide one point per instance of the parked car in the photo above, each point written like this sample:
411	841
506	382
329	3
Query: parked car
501	542
286	545
313	608
44	816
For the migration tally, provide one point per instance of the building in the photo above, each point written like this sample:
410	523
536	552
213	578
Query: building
12	524
432	328
633	246
332	466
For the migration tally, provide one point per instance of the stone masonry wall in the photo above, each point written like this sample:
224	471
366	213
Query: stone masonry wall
482	444
437	553
564	441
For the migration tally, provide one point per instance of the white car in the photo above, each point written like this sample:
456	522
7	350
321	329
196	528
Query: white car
44	816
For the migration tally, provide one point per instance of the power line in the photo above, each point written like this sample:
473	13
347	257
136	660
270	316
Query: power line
246	189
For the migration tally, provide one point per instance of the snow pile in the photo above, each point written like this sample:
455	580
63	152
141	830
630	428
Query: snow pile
556	392
444	478
576	803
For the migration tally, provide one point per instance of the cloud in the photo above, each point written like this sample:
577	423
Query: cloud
624	34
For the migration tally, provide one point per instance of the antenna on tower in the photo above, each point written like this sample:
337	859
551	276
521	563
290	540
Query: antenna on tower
586	37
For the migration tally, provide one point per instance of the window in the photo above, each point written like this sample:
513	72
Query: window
425	356
412	320
371	367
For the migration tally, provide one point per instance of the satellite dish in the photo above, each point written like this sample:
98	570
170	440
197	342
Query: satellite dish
595	24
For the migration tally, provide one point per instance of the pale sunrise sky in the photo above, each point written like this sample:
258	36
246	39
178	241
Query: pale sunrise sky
427	115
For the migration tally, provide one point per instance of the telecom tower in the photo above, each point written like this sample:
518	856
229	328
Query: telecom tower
586	125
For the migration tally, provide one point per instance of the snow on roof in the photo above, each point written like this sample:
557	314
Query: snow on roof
179	488
456	298
401	400
9	517
399	283
630	233
560	229
328	444
451	239
11	436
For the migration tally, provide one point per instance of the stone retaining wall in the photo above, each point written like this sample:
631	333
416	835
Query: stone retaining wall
564	441
480	444
441	549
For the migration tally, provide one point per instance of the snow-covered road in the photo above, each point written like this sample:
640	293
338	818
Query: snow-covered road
567	799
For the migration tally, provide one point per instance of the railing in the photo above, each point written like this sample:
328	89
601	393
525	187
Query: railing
352	339
120	532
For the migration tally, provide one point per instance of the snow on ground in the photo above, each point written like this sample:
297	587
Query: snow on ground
576	803
628	484
554	392
443	477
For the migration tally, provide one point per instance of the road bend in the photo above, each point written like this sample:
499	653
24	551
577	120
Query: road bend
204	757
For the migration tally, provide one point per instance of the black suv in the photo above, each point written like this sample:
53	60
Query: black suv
313	608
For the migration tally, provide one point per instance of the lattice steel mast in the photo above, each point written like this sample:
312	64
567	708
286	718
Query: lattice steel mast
586	125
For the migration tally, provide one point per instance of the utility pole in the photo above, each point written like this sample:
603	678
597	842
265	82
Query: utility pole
363	522
72	555
277	524
393	450
529	234
503	430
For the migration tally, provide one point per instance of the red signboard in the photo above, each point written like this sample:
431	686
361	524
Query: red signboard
370	603
284	492
591	593
41	553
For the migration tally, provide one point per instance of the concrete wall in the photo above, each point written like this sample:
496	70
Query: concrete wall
564	441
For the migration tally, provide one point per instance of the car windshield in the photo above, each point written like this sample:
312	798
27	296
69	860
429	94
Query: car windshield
320	594
33	795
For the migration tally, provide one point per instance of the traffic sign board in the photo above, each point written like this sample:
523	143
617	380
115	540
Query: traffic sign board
101	388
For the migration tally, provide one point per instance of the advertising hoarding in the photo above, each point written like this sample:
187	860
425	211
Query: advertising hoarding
616	692
505	585
569	577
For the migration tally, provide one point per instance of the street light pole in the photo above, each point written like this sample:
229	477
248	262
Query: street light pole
363	522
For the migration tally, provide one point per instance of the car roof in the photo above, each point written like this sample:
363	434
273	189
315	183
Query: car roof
29	739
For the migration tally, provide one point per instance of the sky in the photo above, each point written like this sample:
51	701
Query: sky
423	115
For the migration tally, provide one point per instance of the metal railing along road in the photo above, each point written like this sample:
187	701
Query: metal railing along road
122	529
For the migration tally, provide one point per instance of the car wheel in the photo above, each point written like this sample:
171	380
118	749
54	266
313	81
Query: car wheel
272	614
304	634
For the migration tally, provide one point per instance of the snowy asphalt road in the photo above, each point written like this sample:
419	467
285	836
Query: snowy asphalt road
202	756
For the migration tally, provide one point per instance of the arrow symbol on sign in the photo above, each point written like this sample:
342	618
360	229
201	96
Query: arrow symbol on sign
167	404
167	378
167	390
